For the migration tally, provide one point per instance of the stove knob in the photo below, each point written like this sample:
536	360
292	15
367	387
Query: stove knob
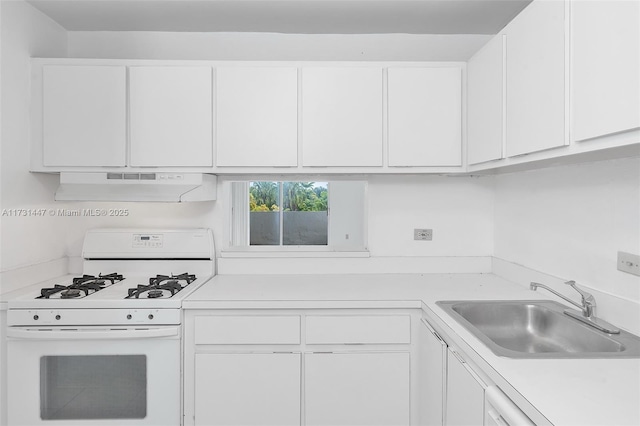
57	317
150	316
129	316
36	317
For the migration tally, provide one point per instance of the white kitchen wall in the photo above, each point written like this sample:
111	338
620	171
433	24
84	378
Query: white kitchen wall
458	209
571	221
24	240
271	46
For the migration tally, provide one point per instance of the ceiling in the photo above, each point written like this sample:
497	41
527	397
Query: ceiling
285	16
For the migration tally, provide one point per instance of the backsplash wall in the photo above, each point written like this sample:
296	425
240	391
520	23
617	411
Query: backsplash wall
460	211
571	221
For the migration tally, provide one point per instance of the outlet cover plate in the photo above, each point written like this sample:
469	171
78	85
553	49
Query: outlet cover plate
423	234
629	263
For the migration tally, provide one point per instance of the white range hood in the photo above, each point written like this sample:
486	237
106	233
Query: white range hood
159	187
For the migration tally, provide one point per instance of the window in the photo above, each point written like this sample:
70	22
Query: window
288	213
275	215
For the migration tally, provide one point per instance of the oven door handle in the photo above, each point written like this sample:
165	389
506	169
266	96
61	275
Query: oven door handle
80	334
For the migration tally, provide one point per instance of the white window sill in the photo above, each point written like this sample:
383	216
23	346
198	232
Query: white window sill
294	251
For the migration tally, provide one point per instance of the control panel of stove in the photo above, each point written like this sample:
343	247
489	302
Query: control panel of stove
67	317
148	240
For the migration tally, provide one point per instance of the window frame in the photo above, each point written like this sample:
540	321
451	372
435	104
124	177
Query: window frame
231	227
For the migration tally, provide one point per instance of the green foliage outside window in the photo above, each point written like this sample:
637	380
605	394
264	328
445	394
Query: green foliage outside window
297	196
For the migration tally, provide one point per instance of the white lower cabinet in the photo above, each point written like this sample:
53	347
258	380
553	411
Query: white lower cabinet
465	393
274	367
247	389
357	389
433	376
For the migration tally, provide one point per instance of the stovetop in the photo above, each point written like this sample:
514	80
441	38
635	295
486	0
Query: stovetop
158	287
128	276
88	291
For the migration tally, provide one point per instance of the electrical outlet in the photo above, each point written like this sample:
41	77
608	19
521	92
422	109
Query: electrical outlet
629	263
423	234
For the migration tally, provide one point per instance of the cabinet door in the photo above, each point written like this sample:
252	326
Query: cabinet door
247	389
605	68
465	394
433	367
357	389
536	78
84	115
257	116
425	113
342	116
485	99
171	116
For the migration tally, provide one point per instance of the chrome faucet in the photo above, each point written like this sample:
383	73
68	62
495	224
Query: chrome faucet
588	307
588	301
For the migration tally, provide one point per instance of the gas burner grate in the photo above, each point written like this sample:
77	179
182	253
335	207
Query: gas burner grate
158	279
100	279
80	287
154	291
161	286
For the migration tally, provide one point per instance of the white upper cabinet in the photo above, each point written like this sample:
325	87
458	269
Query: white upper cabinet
342	116
425	113
536	78
257	116
84	115
605	67
485	100
171	116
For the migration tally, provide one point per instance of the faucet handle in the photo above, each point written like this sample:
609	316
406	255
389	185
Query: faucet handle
588	301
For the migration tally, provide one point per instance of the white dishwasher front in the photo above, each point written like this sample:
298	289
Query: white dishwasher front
499	410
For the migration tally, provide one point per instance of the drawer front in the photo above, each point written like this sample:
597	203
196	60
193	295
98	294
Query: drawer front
358	329
247	330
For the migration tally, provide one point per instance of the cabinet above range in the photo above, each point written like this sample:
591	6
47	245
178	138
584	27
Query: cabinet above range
246	117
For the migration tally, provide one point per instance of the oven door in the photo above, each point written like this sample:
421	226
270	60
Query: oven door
94	376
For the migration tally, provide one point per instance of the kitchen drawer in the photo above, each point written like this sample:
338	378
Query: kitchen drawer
371	329
247	330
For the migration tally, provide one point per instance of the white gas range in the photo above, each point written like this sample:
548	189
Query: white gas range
103	347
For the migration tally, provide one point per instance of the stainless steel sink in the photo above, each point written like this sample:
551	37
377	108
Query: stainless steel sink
537	329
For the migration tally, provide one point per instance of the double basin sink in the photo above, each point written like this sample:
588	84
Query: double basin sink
538	329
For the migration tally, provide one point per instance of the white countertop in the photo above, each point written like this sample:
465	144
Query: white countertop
564	391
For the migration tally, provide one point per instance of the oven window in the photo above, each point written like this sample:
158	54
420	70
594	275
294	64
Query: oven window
93	387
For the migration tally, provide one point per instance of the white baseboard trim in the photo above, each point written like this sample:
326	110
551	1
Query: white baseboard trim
621	312
370	265
14	279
